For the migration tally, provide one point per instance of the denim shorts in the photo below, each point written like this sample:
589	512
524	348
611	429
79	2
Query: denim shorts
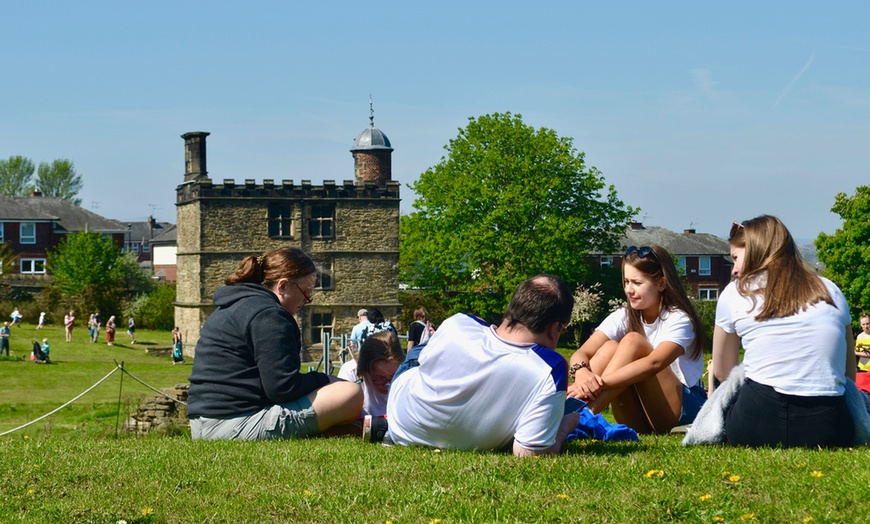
291	420
693	398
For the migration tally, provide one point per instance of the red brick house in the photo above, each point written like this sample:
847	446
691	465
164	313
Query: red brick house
704	259
32	226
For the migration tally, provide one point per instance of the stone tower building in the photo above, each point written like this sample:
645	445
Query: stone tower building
350	230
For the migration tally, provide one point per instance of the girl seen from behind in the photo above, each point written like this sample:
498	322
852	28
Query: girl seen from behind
794	327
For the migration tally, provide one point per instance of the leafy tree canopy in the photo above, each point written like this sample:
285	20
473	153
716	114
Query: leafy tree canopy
506	203
16	176
59	179
846	253
88	271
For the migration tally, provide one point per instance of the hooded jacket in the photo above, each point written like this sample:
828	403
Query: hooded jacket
247	356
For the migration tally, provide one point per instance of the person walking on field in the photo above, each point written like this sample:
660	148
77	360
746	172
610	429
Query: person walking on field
131	329
68	322
110	330
5	332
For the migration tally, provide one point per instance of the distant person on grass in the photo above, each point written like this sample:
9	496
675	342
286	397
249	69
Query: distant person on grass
97	325
131	329
177	347
41	323
110	330
862	344
68	323
478	386
5	332
247	382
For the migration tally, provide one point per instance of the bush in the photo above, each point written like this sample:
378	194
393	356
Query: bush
155	310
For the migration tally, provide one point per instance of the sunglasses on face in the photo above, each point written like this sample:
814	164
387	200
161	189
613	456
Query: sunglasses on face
642	252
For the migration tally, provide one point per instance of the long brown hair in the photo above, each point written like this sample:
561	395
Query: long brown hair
267	269
661	264
774	269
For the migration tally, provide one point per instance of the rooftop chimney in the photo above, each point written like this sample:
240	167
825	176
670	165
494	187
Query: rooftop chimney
688	231
194	155
636	225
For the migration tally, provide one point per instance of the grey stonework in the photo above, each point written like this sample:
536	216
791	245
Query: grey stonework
220	224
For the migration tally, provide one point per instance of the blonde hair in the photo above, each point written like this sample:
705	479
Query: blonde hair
774	269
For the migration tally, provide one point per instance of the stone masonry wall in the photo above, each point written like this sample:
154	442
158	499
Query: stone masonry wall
218	225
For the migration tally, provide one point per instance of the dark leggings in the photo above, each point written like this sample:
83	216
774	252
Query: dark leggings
762	417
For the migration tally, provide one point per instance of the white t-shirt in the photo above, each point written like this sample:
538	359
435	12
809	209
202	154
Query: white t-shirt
803	355
375	402
474	390
672	325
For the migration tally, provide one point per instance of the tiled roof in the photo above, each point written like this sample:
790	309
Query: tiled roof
67	216
169	236
677	244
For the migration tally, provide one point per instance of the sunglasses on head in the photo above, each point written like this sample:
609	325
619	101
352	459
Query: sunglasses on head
735	227
642	252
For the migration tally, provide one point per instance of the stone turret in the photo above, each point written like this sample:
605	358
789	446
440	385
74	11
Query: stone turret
372	155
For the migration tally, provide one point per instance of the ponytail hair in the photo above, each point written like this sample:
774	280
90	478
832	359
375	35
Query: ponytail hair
267	269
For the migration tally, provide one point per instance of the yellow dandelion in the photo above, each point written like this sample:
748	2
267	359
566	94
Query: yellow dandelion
563	496
734	478
434	521
654	473
705	497
388	522
147	511
306	492
30	492
807	519
36	466
817	474
26	437
747	516
718	519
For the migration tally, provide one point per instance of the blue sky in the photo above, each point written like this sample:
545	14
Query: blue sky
699	114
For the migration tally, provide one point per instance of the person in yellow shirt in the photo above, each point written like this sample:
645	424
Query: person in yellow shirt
862	344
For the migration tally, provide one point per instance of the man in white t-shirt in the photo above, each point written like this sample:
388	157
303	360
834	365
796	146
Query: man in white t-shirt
476	386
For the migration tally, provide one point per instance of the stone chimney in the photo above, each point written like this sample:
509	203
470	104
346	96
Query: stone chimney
688	231
194	155
636	226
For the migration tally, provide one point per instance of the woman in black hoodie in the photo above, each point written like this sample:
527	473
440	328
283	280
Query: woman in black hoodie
247	381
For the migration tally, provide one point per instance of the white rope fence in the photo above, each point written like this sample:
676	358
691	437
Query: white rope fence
83	393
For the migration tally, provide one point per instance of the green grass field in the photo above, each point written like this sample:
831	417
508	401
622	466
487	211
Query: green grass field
71	467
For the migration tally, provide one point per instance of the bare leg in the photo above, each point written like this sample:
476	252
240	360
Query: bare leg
653	404
338	403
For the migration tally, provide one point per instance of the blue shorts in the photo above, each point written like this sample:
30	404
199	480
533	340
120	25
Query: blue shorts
693	398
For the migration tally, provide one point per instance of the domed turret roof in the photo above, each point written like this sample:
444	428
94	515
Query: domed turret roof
371	138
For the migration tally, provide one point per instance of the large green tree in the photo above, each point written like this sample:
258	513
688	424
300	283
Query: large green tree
507	202
16	176
88	272
846	253
59	179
